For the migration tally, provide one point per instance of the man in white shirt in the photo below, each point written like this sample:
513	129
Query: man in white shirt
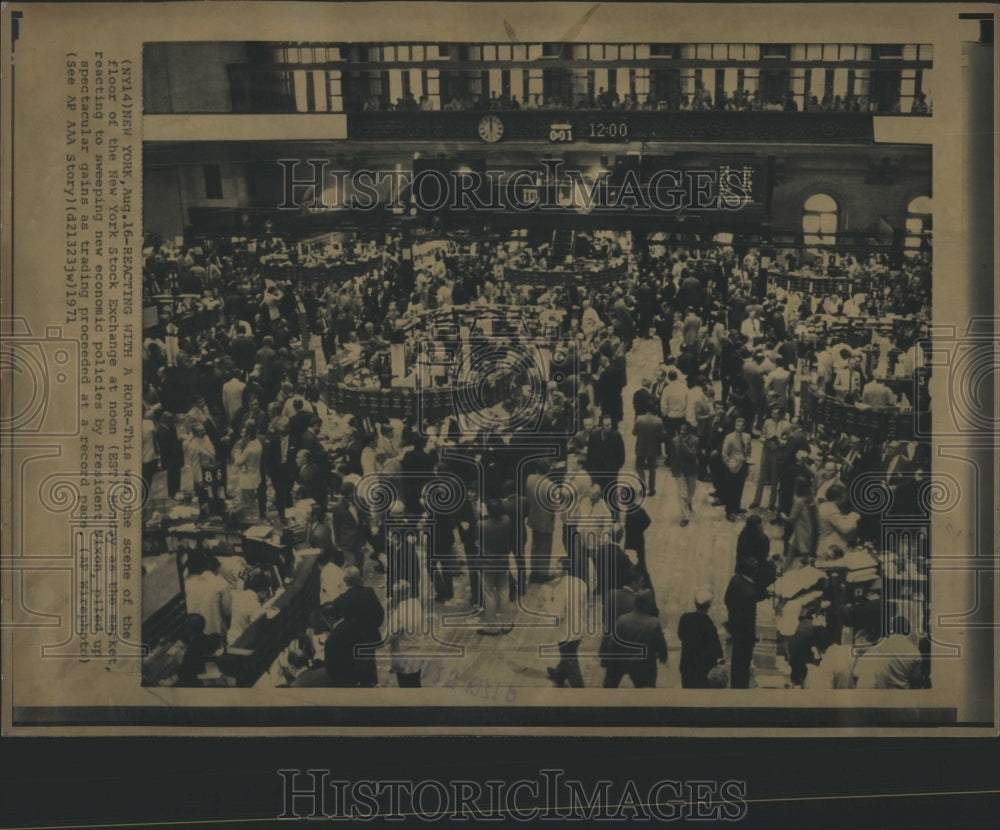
388	444
906	362
699	405
838	525
208	594
825	370
842	354
232	397
331	580
892	663
678	269
246	456
690	329
878	395
590	322
834	671
369	465
777	388
248	603
751	329
847	380
673	406
570	601
289	409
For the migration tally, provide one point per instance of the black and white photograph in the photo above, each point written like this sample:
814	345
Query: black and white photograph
504	367
564	365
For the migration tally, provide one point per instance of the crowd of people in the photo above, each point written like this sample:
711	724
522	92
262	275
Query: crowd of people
236	418
700	100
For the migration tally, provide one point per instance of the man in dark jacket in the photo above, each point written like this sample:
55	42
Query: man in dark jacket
664	324
418	468
742	596
605	449
645	300
311	481
701	650
349	527
278	464
648	432
608	390
634	647
642	399
356	616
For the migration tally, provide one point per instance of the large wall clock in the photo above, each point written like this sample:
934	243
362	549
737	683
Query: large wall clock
490	128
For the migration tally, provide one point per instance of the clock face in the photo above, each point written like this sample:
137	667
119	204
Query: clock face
490	128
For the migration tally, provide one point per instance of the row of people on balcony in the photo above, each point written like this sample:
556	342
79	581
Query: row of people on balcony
700	100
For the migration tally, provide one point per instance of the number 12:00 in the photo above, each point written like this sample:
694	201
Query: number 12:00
612	130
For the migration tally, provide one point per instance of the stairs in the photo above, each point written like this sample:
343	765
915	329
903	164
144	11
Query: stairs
562	246
770	669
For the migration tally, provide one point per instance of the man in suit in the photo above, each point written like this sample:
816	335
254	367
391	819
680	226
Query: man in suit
349	527
417	467
308	439
690	329
443	560
356	616
468	519
657	391
774	427
665	329
645	300
648	432
742	596
541	521
637	522
635	646
691	293
778	388
359	440
608	390
605	449
277	463
736	458
753	377
642	400
311	481
684	467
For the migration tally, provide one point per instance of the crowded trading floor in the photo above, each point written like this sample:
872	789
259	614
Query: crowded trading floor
643	458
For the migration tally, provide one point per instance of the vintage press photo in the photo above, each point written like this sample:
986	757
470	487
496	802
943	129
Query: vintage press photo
586	368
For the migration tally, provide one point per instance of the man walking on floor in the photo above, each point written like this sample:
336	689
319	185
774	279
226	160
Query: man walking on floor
684	466
735	457
648	432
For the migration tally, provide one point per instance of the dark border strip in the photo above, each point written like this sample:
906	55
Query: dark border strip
433	717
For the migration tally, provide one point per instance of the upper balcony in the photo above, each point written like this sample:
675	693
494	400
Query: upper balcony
272	78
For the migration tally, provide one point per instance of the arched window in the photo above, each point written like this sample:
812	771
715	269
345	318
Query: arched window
819	219
918	221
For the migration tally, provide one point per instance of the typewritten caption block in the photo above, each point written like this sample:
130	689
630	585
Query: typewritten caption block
101	233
